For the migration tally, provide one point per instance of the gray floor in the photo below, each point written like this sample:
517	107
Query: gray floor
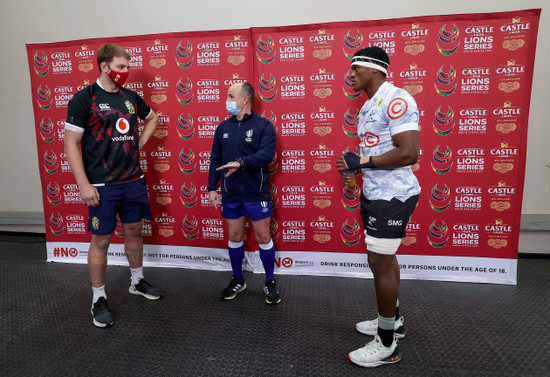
453	329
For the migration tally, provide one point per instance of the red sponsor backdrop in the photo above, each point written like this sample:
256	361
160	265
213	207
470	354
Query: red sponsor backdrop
470	74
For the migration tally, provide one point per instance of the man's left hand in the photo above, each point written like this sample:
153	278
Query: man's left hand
231	166
341	164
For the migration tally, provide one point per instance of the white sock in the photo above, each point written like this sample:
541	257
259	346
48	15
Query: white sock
137	274
98	292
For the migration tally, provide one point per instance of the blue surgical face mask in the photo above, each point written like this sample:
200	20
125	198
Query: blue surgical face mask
232	108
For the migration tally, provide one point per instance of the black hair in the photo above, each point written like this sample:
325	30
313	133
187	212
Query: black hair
376	53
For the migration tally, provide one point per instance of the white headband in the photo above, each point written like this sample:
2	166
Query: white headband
368	62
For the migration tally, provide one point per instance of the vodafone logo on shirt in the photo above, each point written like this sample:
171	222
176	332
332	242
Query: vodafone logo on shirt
122	126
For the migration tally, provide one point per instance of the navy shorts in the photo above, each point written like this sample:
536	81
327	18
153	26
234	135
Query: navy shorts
253	210
129	200
387	219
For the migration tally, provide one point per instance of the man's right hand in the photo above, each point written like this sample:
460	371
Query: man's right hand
89	195
214	198
346	177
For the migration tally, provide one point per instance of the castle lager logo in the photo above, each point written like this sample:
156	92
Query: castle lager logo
75	224
186	161
268	87
184	91
351	232
164	190
475	80
157	51
71	194
61	62
472	121
351	119
212	229
440	197
236	50
466	235
444	123
322	229
470	160
468	198
47	131
85	58
348	88
353	41
204	161
442	159
293	161
190	227
235	79
510	76
437	234
41	64
188	193
53	192
137	58
384	39
291	48
322	82
413	79
265	49
186	128
165	224
294	231
44	97
164	124
445	84
159	89
57	225
63	94
208	54
479	39
415	38
50	162
184	54
411	236
293	197
293	87
448	41
323	121
322	158
515	33
162	159
208	90
207	125
501	196
322	194
322	43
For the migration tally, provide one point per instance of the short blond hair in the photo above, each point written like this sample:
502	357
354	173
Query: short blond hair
108	52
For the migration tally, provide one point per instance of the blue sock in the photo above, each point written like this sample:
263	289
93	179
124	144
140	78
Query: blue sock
236	255
267	255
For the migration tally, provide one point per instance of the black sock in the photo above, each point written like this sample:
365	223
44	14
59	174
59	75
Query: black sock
386	336
396	313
